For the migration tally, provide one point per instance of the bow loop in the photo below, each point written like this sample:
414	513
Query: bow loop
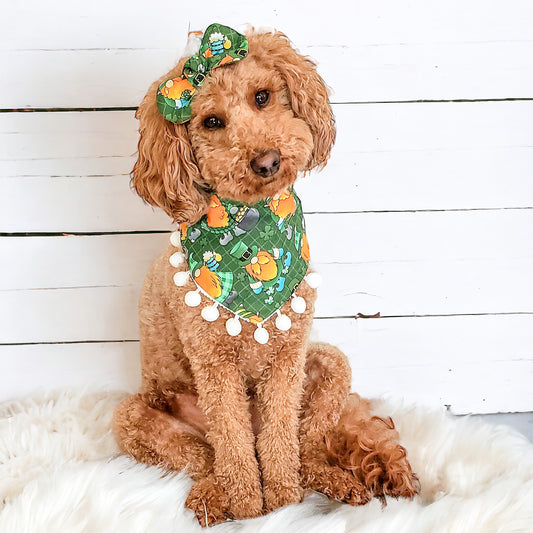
220	45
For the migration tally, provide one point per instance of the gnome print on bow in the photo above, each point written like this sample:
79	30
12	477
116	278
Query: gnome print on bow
220	46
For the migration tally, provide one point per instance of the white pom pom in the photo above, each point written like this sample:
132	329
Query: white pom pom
181	278
233	326
175	239
210	313
283	322
298	305
193	299
176	259
261	335
314	280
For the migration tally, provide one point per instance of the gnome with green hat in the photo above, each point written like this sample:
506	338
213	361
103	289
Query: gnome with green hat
265	268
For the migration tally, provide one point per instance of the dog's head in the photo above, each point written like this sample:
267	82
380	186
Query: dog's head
254	125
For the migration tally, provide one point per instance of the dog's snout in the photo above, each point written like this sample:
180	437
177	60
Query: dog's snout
266	163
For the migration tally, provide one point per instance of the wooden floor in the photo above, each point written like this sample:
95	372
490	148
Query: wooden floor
430	181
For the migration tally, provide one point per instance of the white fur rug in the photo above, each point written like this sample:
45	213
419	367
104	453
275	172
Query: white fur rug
60	472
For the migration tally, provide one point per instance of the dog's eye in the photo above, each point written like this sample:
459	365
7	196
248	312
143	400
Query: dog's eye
262	98
213	123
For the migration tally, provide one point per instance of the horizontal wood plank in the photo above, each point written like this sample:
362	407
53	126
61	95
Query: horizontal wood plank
402	72
92	166
101	24
362	128
74	205
72	135
336	239
426	288
471	364
77	261
25	369
110	313
78	314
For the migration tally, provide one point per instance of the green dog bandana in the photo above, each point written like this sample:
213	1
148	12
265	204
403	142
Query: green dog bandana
247	258
220	46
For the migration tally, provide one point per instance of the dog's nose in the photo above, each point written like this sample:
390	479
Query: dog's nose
266	164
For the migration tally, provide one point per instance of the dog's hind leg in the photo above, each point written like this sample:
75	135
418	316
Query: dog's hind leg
326	389
346	452
158	437
368	447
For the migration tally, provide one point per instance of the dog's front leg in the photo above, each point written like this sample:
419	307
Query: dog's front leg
278	400
236	479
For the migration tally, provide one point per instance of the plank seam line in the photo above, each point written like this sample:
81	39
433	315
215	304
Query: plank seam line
54	176
356	102
70	288
323	45
67	342
148	232
453	210
317	318
504	313
438	101
83	234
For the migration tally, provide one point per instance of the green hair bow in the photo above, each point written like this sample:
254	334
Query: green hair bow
220	46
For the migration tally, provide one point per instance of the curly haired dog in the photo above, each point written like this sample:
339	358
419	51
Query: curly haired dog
254	425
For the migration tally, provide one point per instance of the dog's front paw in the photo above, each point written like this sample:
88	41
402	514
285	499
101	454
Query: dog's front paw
277	496
334	482
208	501
249	504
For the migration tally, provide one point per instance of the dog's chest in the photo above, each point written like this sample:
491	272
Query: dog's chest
253	361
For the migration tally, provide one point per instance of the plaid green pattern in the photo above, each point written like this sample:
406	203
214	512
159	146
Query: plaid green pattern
249	258
220	45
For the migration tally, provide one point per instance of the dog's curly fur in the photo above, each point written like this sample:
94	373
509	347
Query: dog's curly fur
254	425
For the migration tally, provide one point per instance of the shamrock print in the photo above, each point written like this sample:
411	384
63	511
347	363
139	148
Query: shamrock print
267	233
241	275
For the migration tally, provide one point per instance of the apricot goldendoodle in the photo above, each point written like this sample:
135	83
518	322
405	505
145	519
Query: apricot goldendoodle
247	406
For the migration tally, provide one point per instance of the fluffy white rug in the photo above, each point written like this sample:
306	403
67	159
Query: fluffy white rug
60	472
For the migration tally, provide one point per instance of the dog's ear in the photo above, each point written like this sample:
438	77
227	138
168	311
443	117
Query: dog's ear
308	93
166	172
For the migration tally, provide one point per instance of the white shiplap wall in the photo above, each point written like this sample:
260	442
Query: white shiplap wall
432	173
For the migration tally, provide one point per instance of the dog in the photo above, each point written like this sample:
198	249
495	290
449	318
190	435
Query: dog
254	418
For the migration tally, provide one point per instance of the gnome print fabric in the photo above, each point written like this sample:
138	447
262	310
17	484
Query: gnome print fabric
249	258
220	46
